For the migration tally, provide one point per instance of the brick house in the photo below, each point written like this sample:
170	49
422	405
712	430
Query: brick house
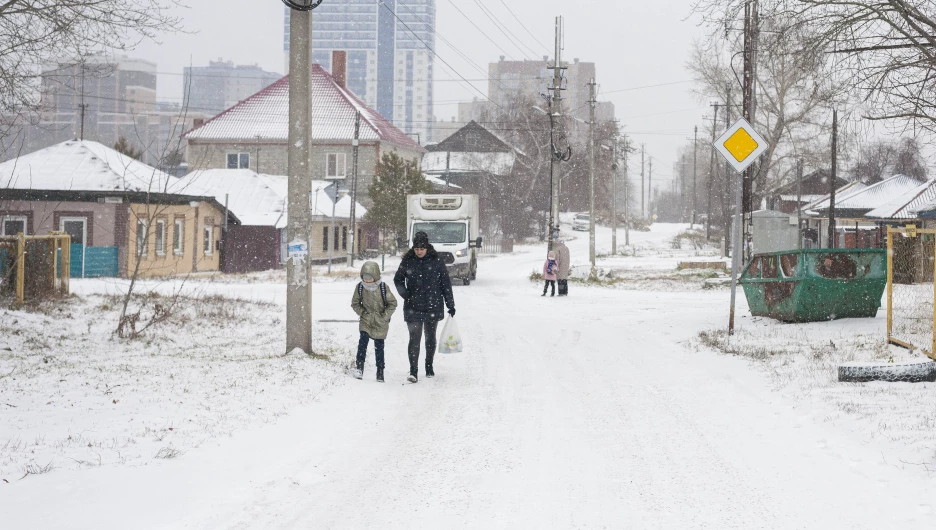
119	211
253	134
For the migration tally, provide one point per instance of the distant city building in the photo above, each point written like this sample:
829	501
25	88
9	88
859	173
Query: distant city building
388	63
220	85
102	99
534	78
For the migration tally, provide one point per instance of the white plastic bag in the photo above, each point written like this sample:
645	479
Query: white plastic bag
450	341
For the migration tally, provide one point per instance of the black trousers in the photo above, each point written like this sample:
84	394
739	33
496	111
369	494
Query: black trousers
563	287
362	351
548	283
416	330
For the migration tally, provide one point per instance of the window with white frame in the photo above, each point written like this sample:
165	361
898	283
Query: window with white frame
141	234
160	237
209	240
13	224
335	165
178	237
238	160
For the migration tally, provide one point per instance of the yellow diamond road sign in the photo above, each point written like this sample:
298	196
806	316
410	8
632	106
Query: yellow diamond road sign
740	145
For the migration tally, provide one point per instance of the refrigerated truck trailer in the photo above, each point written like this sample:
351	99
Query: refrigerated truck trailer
453	227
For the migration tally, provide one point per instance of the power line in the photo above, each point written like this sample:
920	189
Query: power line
432	50
509	37
479	29
524	27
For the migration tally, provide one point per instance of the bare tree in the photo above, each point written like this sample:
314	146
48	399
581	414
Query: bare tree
794	92
35	32
886	49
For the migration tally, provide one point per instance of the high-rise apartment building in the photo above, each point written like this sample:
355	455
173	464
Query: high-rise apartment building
534	78
101	98
214	88
389	62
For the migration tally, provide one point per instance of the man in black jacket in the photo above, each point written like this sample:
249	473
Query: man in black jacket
424	284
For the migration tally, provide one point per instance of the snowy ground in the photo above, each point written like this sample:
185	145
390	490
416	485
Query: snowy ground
603	409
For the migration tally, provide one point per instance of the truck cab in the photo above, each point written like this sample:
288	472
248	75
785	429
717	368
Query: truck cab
451	222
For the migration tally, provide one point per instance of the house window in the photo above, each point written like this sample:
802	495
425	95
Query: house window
238	161
141	238
324	239
359	241
178	237
14	224
160	237
208	241
344	238
336	238
335	163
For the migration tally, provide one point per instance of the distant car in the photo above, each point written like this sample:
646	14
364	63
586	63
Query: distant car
581	221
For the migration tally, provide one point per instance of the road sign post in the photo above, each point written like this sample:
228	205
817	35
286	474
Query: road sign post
740	145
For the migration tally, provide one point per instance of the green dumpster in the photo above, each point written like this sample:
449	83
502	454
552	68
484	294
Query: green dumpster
813	285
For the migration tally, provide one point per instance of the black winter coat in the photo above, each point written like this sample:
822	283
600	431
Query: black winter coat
424	285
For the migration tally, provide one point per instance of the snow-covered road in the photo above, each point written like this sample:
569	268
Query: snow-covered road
583	412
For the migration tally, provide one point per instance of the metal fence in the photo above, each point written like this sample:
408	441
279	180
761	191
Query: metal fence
911	268
497	245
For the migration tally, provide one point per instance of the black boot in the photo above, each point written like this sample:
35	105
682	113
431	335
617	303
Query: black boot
429	372
380	375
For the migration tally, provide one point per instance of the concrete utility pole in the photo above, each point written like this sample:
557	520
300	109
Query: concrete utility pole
354	180
711	175
832	242
749	102
299	184
643	193
591	172
555	115
626	198
695	152
650	188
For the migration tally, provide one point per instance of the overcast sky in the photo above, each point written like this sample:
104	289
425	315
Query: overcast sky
633	43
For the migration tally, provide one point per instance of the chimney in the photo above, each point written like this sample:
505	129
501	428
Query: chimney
340	68
197	122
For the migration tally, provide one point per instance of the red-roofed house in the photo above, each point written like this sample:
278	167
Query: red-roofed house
253	134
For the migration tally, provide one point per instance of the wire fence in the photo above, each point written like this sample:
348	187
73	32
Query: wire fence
911	264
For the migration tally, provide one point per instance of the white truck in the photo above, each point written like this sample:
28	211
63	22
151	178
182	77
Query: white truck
452	224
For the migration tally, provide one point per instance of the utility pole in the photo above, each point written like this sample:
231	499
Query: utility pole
832	242
626	198
83	106
650	188
643	148
555	114
799	203
726	212
591	173
299	185
749	99
711	175
354	180
695	152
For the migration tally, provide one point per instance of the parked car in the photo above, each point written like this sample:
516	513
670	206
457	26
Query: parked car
581	221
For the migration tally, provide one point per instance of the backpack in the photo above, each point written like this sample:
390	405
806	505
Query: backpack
383	292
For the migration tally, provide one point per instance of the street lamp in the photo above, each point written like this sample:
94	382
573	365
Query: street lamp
302	5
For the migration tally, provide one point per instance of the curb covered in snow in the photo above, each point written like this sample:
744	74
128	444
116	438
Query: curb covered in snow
915	372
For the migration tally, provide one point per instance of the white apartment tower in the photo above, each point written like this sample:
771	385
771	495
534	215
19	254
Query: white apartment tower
390	65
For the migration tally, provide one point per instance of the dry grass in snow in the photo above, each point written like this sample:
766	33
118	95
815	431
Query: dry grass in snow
801	360
73	395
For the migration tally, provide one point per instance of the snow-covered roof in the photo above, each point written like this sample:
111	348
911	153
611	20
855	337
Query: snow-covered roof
320	204
872	196
83	165
434	163
905	206
250	197
440	183
806	199
264	116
